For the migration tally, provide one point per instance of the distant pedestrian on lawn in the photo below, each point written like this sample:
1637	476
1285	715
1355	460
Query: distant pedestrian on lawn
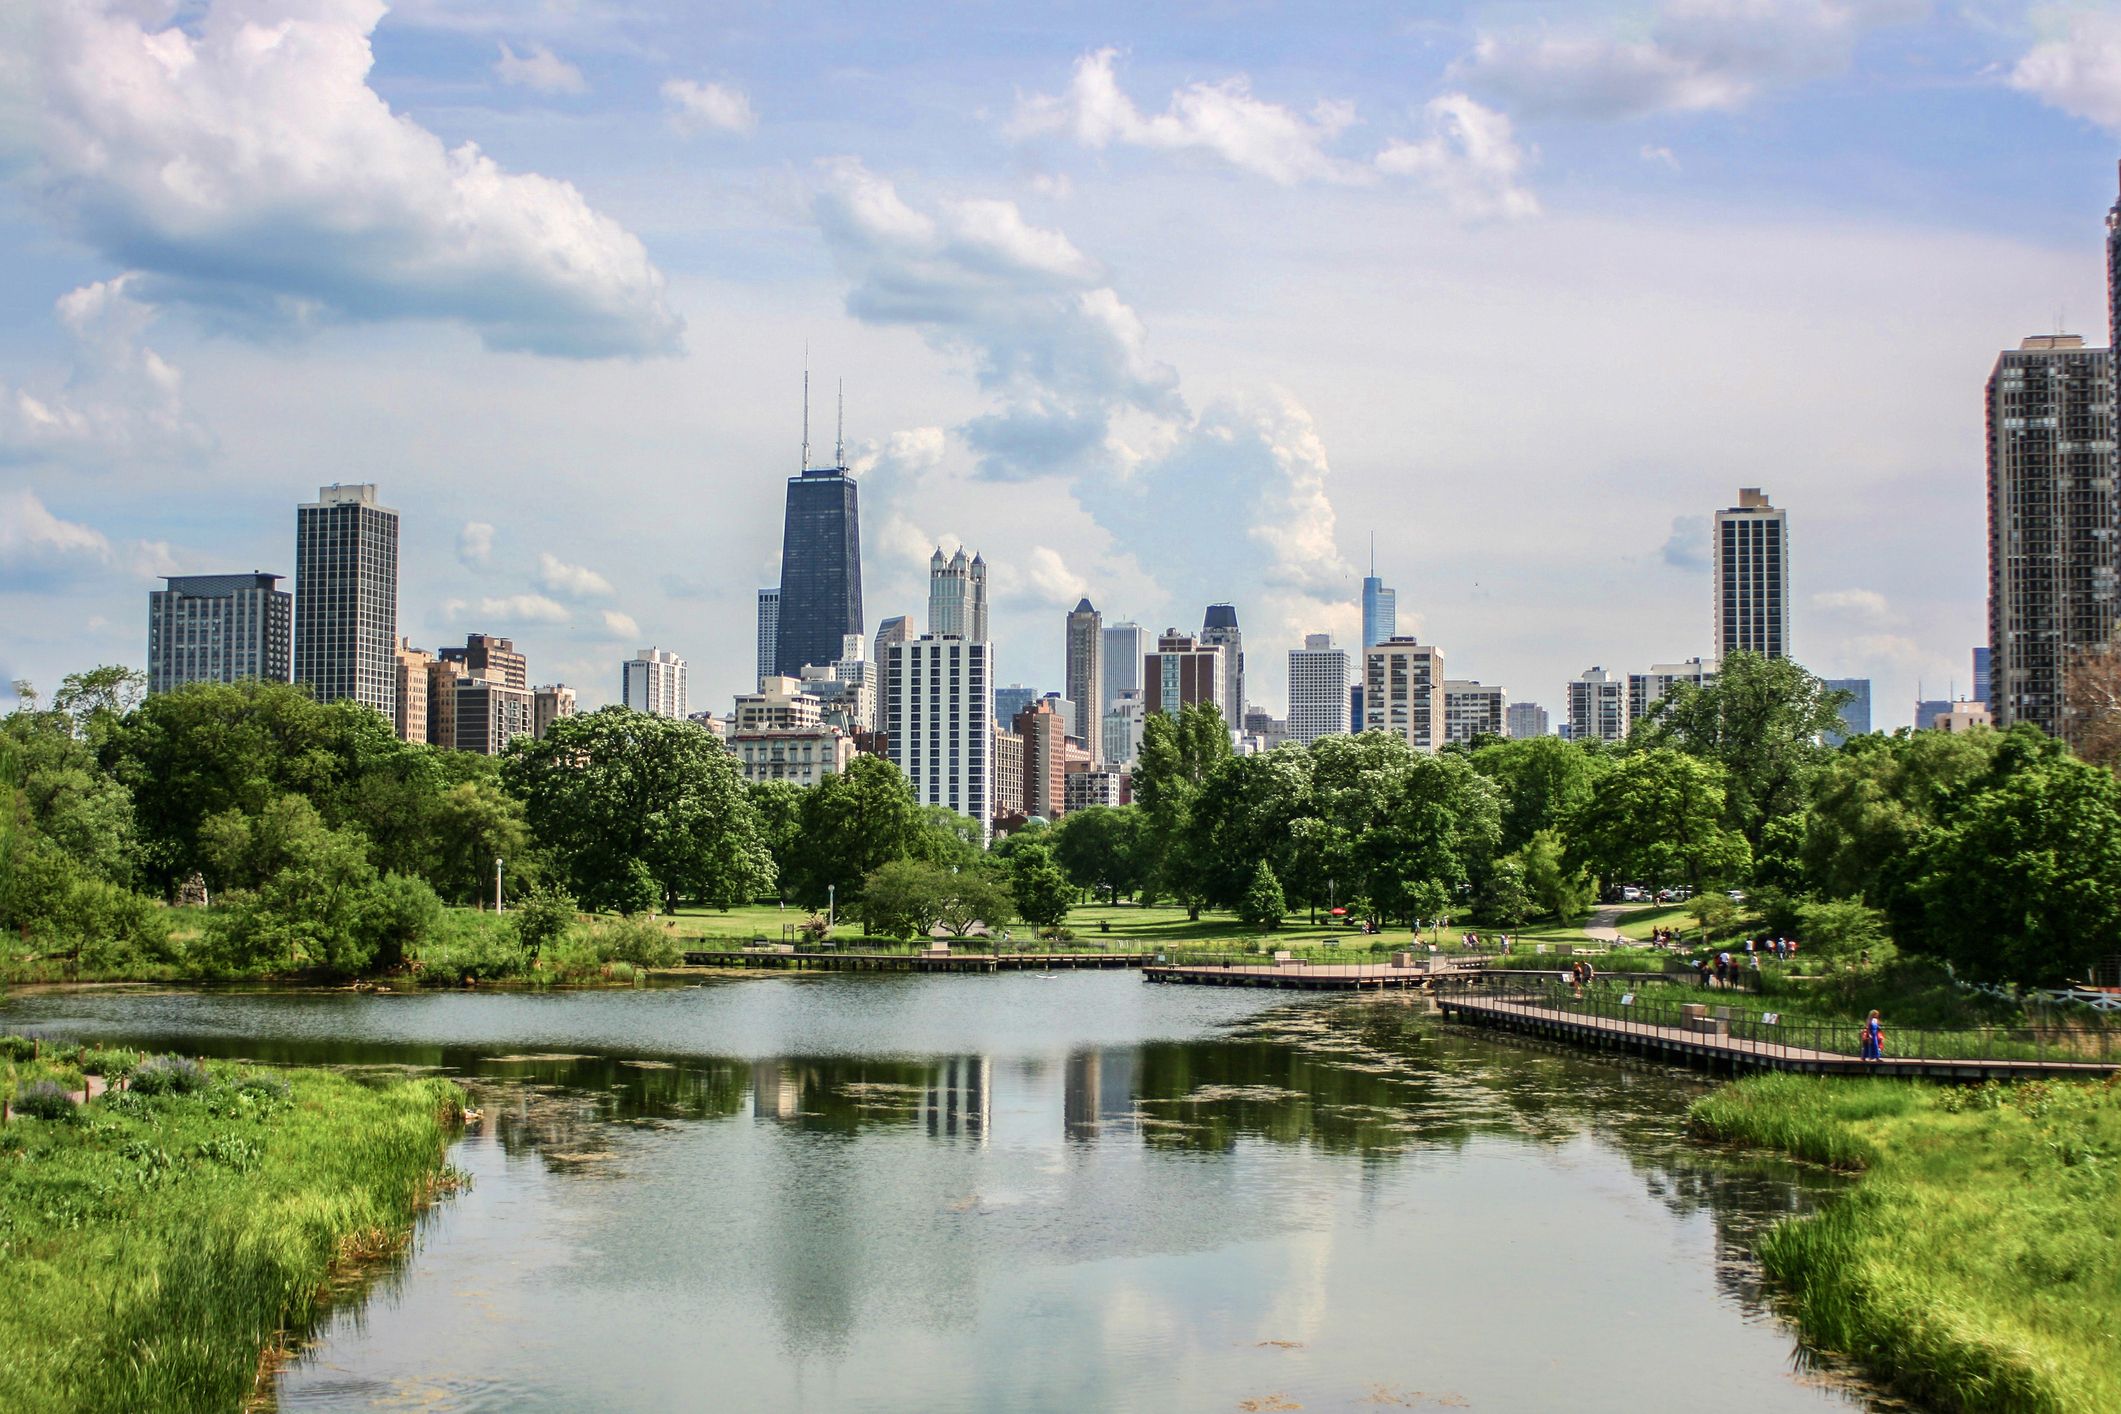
1873	1039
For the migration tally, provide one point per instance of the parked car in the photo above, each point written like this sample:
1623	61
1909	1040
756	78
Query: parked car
1631	894
1735	895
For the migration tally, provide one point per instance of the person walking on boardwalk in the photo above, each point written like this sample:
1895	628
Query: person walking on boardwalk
1873	1039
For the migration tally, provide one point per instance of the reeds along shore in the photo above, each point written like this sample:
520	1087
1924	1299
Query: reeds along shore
161	1245
1977	1263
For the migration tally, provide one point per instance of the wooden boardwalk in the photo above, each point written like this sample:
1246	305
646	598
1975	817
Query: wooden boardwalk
1741	1053
1310	977
915	962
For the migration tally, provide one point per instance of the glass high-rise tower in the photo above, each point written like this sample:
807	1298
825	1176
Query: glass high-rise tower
346	598
821	571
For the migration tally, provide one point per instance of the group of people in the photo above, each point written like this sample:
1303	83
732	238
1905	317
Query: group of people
1580	975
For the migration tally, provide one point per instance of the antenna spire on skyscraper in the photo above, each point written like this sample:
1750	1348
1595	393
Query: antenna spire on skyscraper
839	441
806	409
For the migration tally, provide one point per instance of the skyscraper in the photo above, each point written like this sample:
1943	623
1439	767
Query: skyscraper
413	666
1086	677
957	596
1525	719
936	699
821	564
1318	689
1183	672
217	628
2051	521
1403	691
1380	606
1751	577
496	657
1598	706
769	631
1981	662
1126	644
1855	713
653	681
346	598
1646	690
1473	709
1219	627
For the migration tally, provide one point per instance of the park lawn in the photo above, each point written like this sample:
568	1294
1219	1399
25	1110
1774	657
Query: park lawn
1977	1264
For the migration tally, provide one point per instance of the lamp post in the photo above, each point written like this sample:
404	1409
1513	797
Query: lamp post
832	907
497	884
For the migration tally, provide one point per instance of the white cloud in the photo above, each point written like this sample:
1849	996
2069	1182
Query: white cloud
2080	71
475	544
621	624
1661	155
571	580
1698	55
1470	159
242	163
121	400
513	608
540	69
40	552
708	107
1688	549
914	449
1861	606
1221	118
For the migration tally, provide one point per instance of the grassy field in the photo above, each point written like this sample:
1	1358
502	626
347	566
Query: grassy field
154	1247
1978	1263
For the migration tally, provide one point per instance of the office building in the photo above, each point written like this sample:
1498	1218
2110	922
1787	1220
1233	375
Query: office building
653	681
1008	773
549	704
1318	689
1355	704
2051	519
1219	627
1263	729
1122	729
1083	789
1010	700
1855	713
1126	645
846	689
1963	716
1403	691
1044	733
217	628
706	721
957	596
490	713
1981	662
1646	690
1182	673
1380	606
769	632
896	629
1598	706
1473	709
779	705
802	756
937	693
1526	719
496	657
346	598
1064	708
412	692
821	568
1928	711
1750	553
1085	678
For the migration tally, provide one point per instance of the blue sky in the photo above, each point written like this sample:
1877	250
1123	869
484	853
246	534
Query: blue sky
1164	305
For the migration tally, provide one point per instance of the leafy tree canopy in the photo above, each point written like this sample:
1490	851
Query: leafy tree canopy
1658	818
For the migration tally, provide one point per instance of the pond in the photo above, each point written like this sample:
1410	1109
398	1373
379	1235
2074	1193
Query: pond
1016	1192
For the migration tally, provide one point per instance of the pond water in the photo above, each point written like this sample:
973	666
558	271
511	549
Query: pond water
1066	1193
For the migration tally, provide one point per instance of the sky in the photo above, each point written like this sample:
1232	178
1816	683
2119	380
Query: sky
1162	305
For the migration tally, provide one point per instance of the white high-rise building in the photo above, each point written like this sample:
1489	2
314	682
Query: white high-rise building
1473	709
1403	691
936	698
957	597
1123	727
1318	689
1125	647
1752	577
1598	706
1526	719
1646	690
653	681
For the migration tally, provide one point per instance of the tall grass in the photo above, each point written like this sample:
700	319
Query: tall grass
1978	1263
153	1248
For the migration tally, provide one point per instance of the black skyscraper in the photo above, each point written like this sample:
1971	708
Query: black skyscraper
821	570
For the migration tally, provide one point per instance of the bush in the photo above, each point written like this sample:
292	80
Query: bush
170	1075
112	1064
638	941
471	947
543	918
41	1099
17	1048
1839	928
398	914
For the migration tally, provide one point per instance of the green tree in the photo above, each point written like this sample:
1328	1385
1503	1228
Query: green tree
67	800
780	808
1504	896
312	896
1041	891
1429	819
910	898
542	918
1177	756
1244	815
1262	905
852	824
637	808
1658	818
1543	781
1099	847
1763	720
1839	928
399	912
1561	889
1878	799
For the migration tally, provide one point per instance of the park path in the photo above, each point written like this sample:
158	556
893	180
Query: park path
1604	924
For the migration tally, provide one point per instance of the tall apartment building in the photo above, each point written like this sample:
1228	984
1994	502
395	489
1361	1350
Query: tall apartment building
490	713
1083	789
1219	627
1122	730
1751	553
1855	713
346	598
1646	690
1045	737
1126	644
1085	677
496	657
1183	672
1526	719
936	699
1064	708
1380	607
2051	521
820	599
217	628
549	704
769	631
957	596
1598	706
780	704
802	756
442	679
1318	689
1403	691
1008	773
896	629
413	665
653	681
1472	709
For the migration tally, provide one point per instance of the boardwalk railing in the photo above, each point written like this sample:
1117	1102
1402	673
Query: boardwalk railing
1754	1030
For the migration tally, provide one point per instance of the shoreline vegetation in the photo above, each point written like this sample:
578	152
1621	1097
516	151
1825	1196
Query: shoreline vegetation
1976	1265
163	1244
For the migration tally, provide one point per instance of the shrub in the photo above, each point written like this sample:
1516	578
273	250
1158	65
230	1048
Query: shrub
41	1099
268	1087
170	1075
638	941
111	1064
472	947
18	1048
398	913
543	918
621	971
